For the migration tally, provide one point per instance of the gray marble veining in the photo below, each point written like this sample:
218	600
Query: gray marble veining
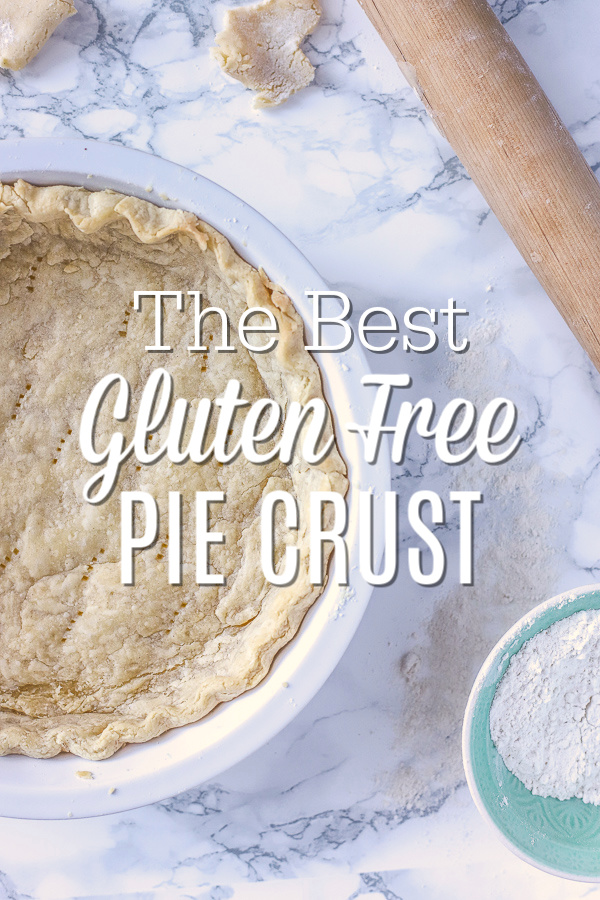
363	794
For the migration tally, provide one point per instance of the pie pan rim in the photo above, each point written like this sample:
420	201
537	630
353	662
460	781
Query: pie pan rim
192	754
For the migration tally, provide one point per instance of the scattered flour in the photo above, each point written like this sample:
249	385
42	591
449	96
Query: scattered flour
347	595
545	717
519	538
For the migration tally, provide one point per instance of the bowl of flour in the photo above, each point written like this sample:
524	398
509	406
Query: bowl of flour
531	736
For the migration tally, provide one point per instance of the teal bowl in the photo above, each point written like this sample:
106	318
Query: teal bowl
559	836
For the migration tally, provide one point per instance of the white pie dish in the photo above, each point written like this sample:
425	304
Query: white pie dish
187	756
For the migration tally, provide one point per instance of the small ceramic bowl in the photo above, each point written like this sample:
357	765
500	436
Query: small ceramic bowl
559	836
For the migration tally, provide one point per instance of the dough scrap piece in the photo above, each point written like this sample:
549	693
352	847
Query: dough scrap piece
26	25
260	46
88	664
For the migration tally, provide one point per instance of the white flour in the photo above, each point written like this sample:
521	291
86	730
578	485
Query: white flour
519	545
545	717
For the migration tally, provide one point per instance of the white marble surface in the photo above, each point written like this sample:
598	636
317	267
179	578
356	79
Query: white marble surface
363	794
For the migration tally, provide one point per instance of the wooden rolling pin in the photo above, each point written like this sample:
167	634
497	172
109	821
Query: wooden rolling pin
482	96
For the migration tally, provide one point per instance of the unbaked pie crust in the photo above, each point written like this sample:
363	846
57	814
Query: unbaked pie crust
86	663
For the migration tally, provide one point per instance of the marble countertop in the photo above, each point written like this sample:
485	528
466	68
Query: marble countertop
363	795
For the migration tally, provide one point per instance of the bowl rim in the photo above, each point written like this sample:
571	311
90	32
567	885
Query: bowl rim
492	659
329	626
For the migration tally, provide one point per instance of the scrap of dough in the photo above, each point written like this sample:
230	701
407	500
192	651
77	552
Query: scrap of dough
26	25
260	46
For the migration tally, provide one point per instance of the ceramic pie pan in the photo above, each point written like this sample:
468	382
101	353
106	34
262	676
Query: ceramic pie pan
187	756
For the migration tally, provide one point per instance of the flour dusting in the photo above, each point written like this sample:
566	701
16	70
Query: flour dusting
518	543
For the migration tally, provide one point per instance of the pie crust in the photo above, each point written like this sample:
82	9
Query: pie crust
86	663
